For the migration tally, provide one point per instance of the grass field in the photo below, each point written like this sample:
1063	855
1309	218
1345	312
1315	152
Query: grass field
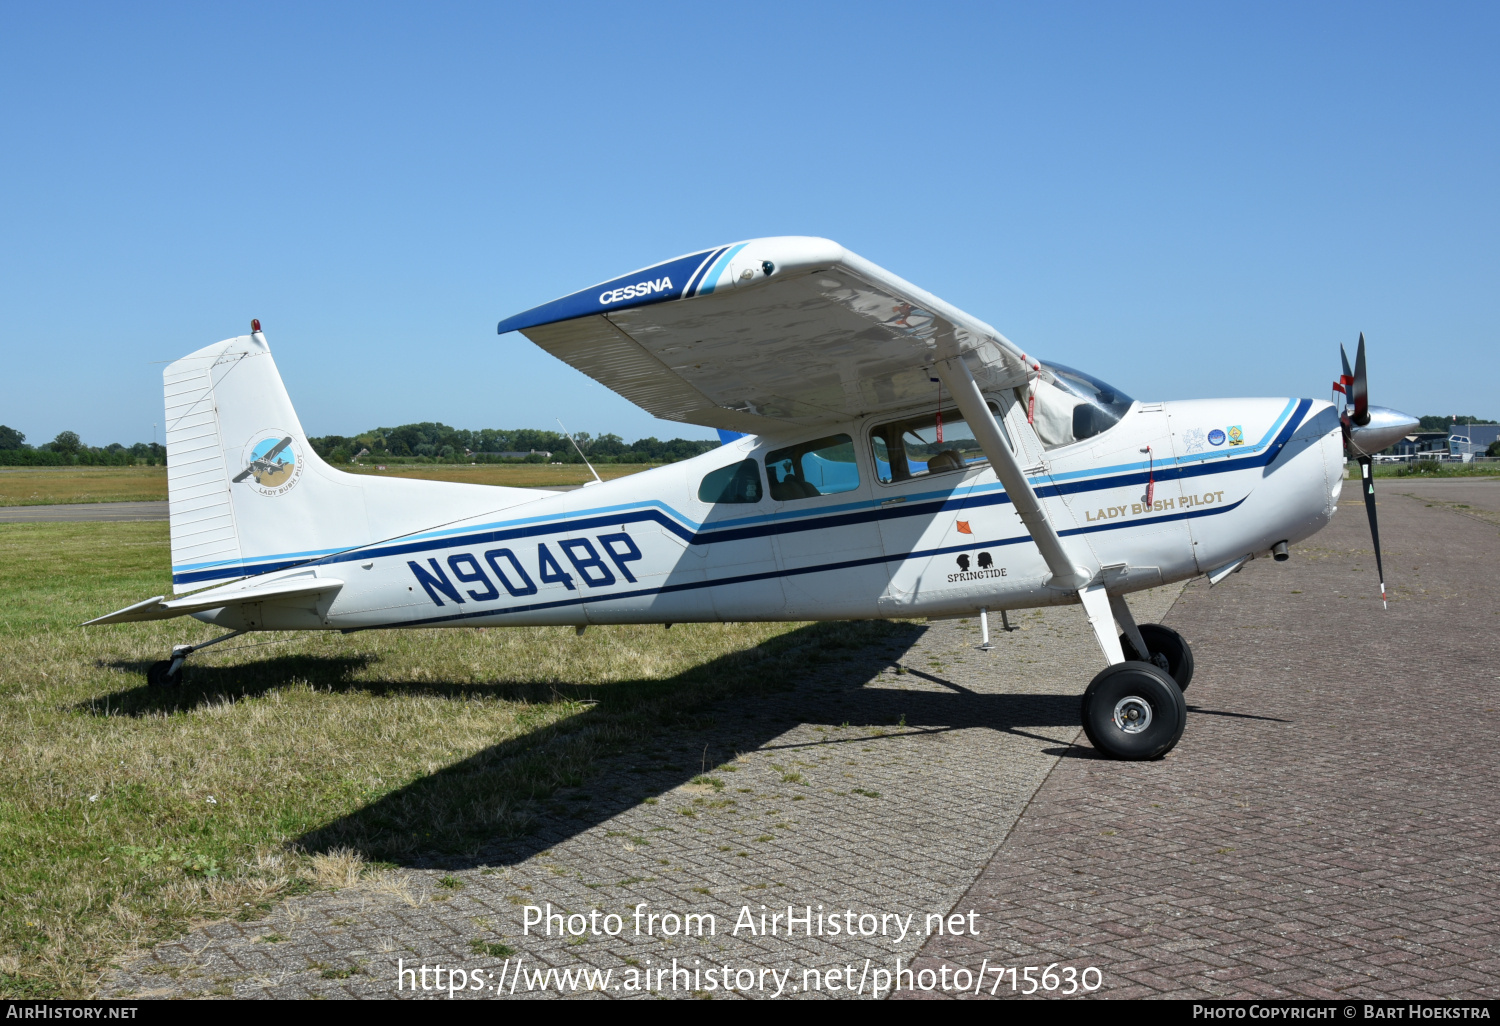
44	486
127	812
26	486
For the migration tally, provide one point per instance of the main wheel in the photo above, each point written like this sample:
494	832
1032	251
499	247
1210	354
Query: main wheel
158	675
1169	650
1134	711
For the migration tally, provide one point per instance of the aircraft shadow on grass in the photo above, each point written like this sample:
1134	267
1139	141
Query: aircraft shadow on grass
638	740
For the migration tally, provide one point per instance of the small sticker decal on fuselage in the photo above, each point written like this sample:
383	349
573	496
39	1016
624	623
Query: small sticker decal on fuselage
1216	437
983	566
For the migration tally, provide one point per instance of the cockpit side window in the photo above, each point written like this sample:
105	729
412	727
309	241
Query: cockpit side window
822	466
1071	405
925	444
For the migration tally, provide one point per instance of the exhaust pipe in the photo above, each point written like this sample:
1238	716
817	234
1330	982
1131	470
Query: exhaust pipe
1280	553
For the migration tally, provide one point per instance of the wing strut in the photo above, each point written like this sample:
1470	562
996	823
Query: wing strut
1066	575
955	374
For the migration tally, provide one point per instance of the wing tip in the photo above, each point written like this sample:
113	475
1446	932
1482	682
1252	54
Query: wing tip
678	278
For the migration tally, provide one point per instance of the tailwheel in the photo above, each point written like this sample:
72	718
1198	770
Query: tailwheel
1134	710
1169	651
164	673
168	672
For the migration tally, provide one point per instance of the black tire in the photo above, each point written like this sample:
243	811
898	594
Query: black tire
1134	711
158	677
1164	642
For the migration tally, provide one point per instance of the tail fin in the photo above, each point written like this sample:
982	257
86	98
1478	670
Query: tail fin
248	495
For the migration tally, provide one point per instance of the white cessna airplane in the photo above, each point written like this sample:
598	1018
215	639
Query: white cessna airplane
885	455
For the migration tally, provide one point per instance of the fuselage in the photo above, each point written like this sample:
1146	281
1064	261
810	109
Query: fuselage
1225	479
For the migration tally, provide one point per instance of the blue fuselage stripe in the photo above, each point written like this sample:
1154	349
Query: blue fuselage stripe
848	564
706	534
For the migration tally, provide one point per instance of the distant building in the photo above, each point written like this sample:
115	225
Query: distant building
1459	440
1420	443
1472	439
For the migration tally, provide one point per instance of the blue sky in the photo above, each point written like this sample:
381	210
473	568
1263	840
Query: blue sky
1186	199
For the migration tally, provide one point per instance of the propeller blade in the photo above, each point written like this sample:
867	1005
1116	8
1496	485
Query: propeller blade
1359	392
1344	355
1367	485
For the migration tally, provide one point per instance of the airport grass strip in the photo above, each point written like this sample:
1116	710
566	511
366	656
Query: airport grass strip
128	812
49	486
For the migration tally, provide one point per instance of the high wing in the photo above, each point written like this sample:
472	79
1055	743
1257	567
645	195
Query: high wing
767	335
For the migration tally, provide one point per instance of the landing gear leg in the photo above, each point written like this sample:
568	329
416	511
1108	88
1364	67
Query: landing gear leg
1154	643
1096	605
168	672
1130	640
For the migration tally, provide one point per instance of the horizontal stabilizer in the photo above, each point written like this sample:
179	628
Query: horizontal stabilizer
271	591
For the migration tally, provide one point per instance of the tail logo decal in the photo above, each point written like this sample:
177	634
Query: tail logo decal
271	464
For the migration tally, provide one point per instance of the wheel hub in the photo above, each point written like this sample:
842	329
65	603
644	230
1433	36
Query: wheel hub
1132	714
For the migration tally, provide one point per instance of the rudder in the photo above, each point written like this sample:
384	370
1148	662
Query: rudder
248	495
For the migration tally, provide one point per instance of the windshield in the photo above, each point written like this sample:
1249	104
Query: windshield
1074	406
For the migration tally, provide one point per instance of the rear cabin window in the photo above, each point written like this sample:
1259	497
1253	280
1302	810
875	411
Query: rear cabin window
823	466
918	446
738	482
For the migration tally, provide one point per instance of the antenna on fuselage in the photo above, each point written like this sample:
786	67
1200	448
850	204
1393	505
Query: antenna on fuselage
586	463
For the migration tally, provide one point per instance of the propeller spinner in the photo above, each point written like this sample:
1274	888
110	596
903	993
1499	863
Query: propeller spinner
1367	430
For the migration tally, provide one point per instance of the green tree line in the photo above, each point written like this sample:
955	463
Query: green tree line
434	442
67	450
1444	423
427	442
